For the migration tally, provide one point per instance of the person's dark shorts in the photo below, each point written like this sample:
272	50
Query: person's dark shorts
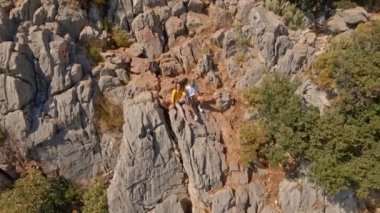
190	100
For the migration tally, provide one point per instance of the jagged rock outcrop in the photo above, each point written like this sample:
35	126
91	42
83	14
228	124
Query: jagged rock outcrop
148	32
147	171
346	19
202	156
301	196
49	88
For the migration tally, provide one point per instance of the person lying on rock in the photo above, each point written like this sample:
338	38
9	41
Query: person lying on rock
193	98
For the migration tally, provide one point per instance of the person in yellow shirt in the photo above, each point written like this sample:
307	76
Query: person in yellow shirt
178	95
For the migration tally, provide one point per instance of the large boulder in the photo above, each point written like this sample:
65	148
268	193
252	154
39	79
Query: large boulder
15	94
147	171
71	20
302	196
148	32
336	24
268	28
202	155
174	27
355	16
294	59
64	140
6	27
188	53
223	201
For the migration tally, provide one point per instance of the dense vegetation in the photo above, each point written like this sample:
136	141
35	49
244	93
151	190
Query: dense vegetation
342	146
95	198
35	193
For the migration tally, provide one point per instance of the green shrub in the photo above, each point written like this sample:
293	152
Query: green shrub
105	25
109	116
251	138
343	145
122	38
293	16
274	5
344	4
95	198
36	193
352	66
94	53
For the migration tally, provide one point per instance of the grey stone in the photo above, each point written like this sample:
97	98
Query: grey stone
269	209
17	93
6	27
196	6
256	192
314	96
5	55
170	204
298	197
39	16
177	8
217	38
188	54
107	82
205	65
220	18
26	10
174	27
146	171
294	59
195	20
16	124
213	78
135	50
253	71
71	21
169	66
147	30
223	201
223	99
202	155
267	28
355	16
336	24
243	9
229	43
241	196
91	36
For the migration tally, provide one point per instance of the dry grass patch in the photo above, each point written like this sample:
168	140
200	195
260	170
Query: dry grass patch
109	116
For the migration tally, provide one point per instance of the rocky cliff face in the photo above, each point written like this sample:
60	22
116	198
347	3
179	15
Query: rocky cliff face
159	163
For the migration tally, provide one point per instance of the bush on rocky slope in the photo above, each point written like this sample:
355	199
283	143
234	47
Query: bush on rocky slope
36	193
121	38
95	198
343	145
251	138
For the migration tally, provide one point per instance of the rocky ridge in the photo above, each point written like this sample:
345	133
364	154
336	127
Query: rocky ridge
159	163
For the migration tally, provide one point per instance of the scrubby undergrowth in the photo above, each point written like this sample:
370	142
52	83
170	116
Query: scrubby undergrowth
342	146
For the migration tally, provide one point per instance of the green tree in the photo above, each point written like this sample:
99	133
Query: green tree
343	146
251	138
36	193
95	198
